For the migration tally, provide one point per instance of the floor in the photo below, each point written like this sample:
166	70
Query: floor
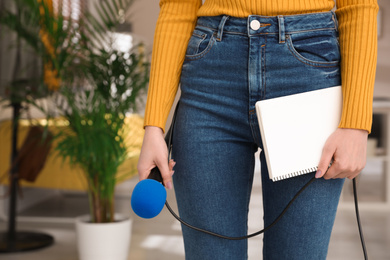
160	238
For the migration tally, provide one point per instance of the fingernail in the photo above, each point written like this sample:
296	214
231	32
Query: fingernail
169	185
318	174
172	172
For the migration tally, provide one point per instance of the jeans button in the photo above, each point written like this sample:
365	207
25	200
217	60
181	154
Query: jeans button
255	25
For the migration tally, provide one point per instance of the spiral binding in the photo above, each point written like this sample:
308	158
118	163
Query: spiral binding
294	174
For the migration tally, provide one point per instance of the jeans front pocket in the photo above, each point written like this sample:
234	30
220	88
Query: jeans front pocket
316	48
201	42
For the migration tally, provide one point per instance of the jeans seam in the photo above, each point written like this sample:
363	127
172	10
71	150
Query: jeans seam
277	33
236	33
201	37
203	53
249	190
264	68
264	33
198	35
311	30
206	27
292	32
309	62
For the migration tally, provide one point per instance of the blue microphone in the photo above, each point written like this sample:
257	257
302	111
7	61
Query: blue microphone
149	195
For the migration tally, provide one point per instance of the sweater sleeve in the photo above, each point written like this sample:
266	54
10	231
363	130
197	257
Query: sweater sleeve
358	46
176	21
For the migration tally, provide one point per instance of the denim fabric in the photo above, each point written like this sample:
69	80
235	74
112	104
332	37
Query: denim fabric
229	66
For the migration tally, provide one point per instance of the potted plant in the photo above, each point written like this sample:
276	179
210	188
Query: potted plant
94	86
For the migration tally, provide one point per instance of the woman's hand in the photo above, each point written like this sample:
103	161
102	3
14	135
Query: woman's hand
347	148
154	152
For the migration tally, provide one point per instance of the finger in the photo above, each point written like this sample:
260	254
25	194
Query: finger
166	174
353	176
334	171
345	166
326	158
143	173
171	164
340	173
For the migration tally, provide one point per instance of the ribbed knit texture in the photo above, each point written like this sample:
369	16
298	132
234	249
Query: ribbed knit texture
358	46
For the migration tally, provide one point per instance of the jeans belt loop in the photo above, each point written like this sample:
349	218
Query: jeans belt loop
220	27
282	35
336	23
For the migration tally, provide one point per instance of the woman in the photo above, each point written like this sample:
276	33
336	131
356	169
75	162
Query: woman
228	54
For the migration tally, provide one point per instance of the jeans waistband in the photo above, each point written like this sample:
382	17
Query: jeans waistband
256	24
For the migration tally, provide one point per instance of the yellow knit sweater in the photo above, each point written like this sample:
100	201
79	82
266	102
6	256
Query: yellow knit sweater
358	46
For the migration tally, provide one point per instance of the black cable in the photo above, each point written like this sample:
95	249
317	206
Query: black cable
277	219
247	236
358	219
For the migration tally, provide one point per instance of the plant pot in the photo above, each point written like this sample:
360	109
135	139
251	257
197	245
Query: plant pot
103	241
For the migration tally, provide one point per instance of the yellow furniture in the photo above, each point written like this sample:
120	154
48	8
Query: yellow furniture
57	173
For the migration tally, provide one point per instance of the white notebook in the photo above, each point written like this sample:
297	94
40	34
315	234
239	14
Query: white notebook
295	128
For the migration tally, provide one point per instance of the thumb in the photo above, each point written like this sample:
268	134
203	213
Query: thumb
326	158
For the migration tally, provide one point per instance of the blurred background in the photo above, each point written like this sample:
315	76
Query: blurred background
73	82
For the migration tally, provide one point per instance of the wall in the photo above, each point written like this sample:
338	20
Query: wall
382	83
144	14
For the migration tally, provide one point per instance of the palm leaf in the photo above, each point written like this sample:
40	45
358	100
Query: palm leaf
109	12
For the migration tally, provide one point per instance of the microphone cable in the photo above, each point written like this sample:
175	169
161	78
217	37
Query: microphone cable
277	219
155	174
247	236
355	198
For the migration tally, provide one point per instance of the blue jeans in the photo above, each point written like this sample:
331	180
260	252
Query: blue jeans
230	64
